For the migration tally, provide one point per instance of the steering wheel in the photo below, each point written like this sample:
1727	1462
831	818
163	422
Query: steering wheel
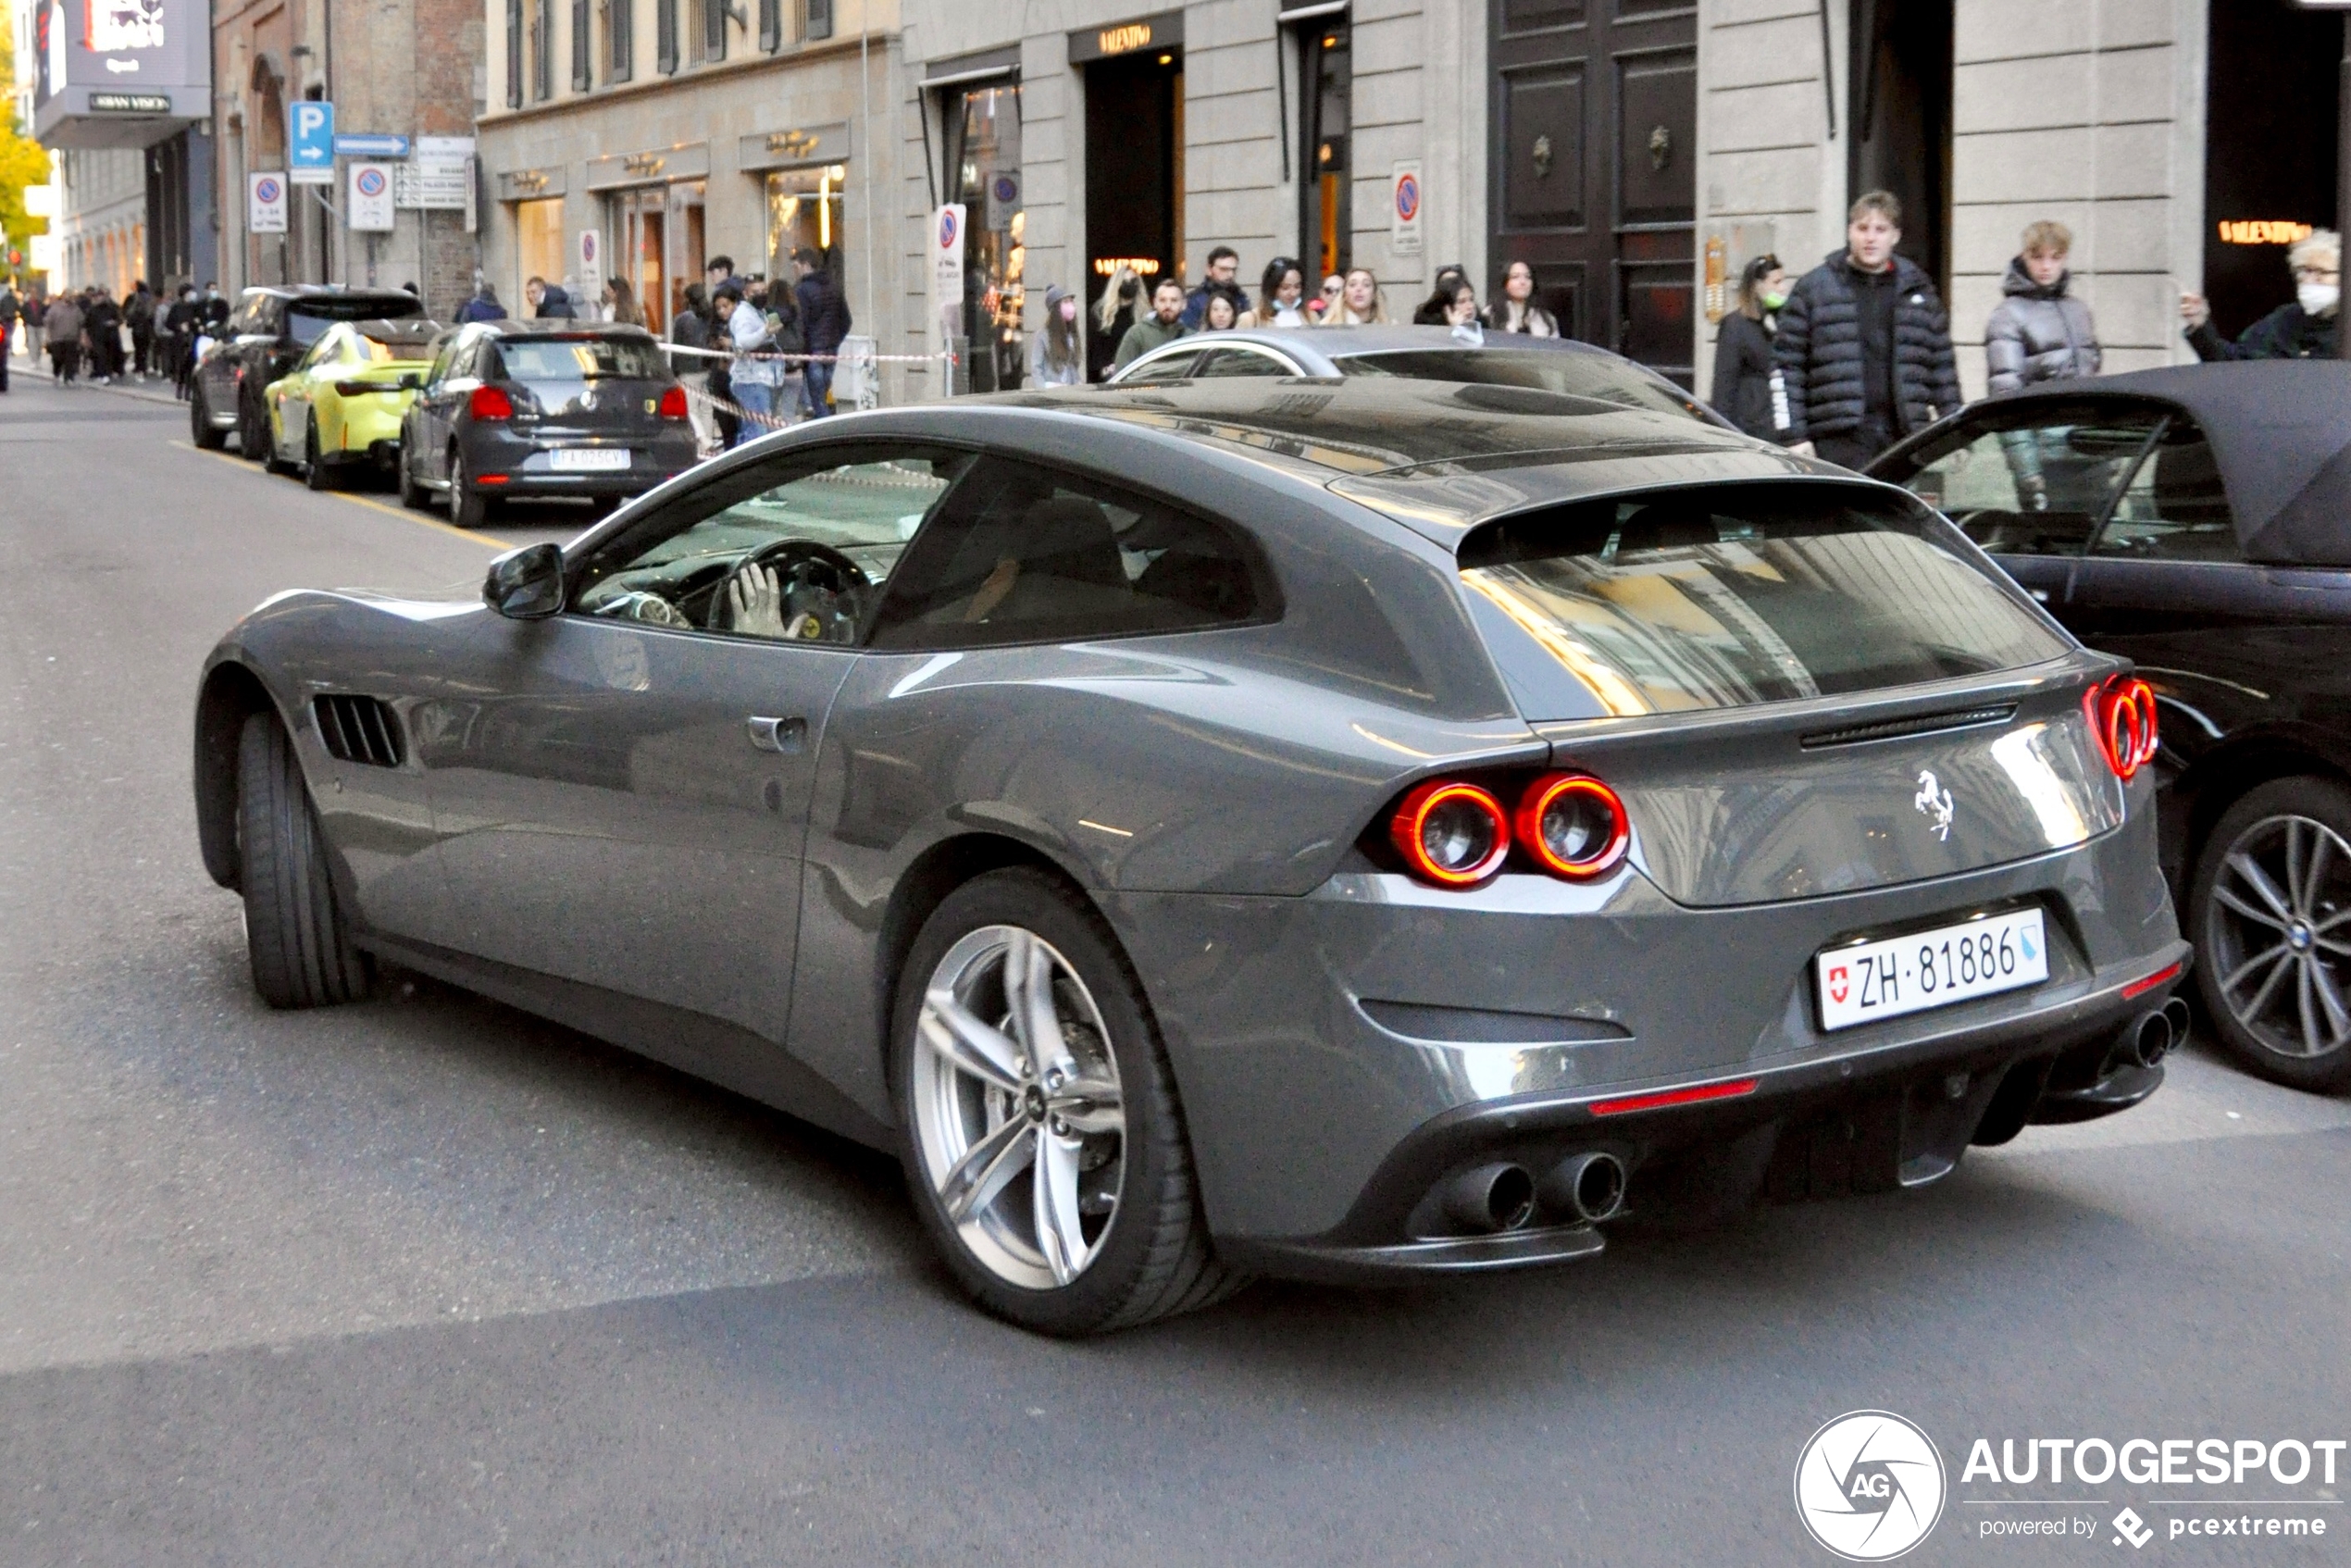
824	592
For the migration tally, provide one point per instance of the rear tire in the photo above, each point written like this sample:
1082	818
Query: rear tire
201	429
2270	913
1123	1157
315	472
296	937
468	508
414	496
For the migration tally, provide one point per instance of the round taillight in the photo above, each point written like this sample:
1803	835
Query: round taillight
1450	833
491	403
1573	824
2122	715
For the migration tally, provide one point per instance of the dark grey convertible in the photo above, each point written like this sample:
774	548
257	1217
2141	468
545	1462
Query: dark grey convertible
1336	828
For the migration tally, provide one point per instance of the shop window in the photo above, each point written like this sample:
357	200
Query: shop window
538	244
983	163
1326	77
804	207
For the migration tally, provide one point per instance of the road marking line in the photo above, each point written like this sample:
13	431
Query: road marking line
486	541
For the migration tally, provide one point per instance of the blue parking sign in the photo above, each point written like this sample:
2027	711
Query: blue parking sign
310	133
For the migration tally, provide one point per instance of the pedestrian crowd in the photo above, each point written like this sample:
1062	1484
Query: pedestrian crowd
87	334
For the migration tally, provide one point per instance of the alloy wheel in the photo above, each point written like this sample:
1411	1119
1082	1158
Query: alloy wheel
2278	932
1019	1118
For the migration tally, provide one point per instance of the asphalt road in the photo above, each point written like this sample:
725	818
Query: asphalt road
427	1281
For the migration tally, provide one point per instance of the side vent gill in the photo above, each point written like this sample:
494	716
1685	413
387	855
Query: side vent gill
1899	728
359	729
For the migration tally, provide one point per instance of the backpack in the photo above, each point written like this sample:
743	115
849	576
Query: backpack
784	335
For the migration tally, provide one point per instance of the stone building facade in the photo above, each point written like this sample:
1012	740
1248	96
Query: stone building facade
1634	153
642	138
409	68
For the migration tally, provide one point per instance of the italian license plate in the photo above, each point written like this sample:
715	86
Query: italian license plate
590	459
1872	980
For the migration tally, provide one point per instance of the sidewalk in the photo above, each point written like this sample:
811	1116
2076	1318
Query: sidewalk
21	366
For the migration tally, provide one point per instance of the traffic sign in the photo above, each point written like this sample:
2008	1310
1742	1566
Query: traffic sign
310	134
266	204
370	145
369	205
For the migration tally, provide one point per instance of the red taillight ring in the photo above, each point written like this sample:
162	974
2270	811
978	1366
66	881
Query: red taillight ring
2142	695
2122	720
1405	829
1542	795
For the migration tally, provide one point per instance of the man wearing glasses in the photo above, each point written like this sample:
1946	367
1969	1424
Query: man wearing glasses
2307	328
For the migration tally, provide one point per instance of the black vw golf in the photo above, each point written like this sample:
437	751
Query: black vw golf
513	409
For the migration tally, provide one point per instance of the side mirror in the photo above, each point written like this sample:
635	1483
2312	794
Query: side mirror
413	381
526	584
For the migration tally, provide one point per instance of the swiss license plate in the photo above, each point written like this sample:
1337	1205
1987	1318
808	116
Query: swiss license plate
1885	979
590	459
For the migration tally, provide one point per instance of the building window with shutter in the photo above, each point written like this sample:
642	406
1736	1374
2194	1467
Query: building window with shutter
583	47
771	26
714	29
818	16
665	36
620	40
542	50
514	53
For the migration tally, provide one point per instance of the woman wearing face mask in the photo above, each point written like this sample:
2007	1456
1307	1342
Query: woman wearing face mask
1516	310
2309	328
1280	298
1360	303
1748	390
1121	301
1053	357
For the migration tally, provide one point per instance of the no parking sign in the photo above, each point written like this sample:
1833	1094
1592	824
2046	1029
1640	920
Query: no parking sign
369	208
1404	210
266	204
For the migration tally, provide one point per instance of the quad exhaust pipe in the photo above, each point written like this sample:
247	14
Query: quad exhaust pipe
1590	1188
1490	1199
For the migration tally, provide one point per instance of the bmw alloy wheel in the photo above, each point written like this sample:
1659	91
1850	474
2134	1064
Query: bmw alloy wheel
1019	1118
2278	928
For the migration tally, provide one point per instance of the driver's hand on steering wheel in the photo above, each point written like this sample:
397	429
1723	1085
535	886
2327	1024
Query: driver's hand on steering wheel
755	597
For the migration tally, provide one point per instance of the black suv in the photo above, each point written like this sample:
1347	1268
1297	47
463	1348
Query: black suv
269	332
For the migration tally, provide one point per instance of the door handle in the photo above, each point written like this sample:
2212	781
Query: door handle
785	735
2042	594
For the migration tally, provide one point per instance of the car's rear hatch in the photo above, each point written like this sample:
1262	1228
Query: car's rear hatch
587	389
1799	689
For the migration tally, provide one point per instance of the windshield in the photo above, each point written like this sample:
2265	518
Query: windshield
1552	371
1731	596
531	360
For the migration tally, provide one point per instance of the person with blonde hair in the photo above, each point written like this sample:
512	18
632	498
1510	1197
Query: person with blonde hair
1114	313
2309	326
2040	331
1361	303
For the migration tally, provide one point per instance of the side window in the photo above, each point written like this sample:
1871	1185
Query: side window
2034	488
327	348
797	548
1021	554
1239	361
1168	368
2174	509
440	362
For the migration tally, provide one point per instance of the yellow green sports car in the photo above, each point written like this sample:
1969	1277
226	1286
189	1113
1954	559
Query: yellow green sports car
340	406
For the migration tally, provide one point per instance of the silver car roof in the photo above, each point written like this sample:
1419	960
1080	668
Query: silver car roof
1316	349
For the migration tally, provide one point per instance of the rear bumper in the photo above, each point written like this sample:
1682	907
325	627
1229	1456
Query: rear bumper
522	465
1871	1120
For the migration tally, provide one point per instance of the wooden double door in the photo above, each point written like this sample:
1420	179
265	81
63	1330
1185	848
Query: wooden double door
1594	119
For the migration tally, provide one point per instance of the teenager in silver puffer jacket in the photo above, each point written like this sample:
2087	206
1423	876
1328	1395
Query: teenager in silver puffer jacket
2040	332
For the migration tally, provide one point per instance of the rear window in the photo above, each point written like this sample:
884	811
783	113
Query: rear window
1551	370
1734	596
307	320
531	360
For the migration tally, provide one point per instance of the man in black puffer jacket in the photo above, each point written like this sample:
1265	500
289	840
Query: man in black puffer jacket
1865	344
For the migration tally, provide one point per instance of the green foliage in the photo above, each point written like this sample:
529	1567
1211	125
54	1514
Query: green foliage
22	163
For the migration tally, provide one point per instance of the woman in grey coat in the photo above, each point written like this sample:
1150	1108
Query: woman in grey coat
2040	332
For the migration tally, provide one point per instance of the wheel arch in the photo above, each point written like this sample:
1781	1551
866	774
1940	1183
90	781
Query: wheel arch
231	693
934	874
2224	775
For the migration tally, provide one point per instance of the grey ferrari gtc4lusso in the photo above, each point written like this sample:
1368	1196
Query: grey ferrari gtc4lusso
1346	829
